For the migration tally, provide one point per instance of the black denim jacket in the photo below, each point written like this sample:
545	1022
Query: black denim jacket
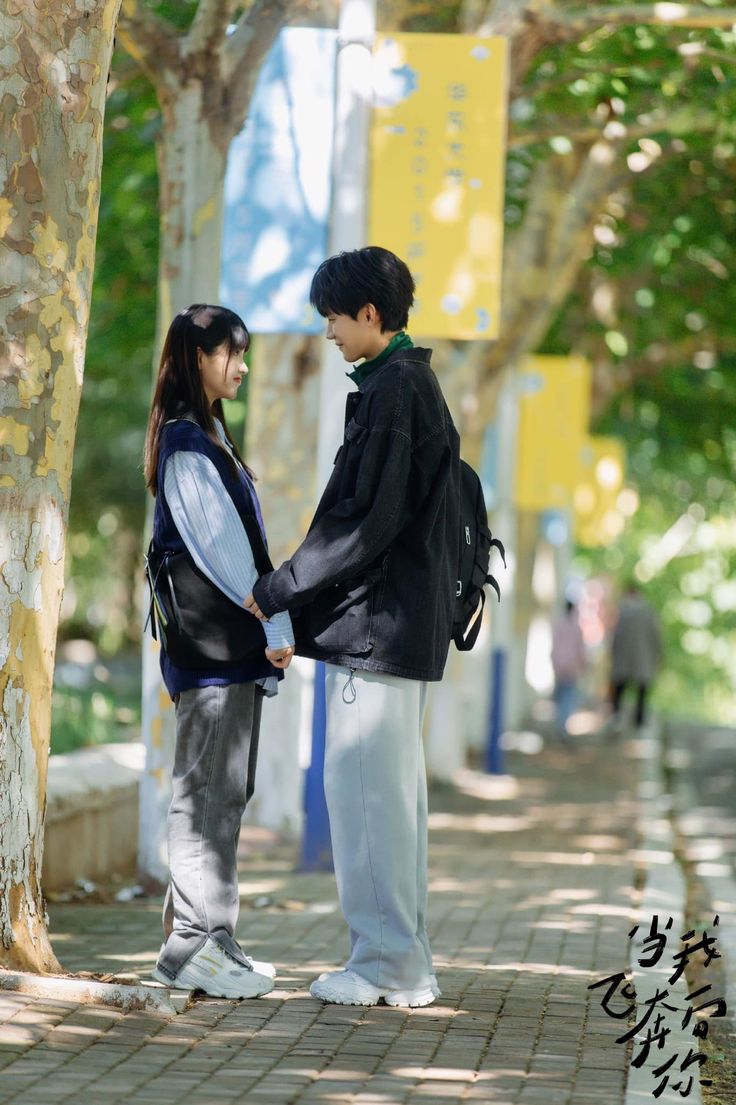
373	583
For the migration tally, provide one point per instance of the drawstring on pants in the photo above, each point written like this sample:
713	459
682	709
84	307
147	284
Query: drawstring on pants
349	689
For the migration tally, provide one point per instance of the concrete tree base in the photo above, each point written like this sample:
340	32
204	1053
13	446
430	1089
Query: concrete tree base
89	991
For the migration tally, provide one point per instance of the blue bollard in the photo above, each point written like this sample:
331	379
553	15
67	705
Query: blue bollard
316	852
494	752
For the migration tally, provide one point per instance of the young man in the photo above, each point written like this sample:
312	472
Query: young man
373	585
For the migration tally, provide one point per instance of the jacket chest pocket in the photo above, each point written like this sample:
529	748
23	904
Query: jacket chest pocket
355	436
349	452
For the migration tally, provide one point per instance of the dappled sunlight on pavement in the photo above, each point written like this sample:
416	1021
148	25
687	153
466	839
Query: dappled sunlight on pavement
531	893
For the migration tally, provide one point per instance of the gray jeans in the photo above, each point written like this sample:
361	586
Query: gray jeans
214	776
376	790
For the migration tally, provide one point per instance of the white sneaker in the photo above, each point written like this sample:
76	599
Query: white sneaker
211	969
434	984
262	968
412	999
348	988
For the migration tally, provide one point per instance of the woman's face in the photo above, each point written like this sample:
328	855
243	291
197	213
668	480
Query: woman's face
221	371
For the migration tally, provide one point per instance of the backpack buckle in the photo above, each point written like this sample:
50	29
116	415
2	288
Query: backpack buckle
459	590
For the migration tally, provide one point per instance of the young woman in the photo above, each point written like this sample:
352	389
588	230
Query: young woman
204	500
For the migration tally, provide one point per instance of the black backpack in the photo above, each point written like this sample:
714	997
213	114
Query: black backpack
476	542
198	626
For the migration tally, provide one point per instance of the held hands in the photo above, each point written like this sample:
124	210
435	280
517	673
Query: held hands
253	608
280	657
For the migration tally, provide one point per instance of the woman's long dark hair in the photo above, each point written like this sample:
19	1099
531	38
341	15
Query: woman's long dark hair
179	387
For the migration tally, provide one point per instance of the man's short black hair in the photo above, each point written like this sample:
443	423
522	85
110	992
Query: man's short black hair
345	283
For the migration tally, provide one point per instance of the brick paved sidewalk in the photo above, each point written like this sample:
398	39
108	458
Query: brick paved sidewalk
530	902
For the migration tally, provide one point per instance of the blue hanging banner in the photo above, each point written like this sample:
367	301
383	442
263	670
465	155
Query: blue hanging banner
278	187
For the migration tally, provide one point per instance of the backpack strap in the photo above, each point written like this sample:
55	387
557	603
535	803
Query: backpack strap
464	644
152	580
172	594
155	616
496	543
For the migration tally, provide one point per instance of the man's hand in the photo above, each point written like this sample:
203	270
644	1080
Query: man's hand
280	657
253	608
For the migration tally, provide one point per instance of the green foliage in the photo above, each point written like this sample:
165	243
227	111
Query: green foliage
655	311
631	71
695	596
678	428
95	716
419	15
108	503
179	13
657	291
118	366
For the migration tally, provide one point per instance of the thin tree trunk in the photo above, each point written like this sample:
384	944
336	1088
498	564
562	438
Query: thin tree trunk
191	177
283	402
57	57
281	445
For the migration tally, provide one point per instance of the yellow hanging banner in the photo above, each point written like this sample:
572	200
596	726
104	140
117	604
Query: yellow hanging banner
554	406
598	519
437	174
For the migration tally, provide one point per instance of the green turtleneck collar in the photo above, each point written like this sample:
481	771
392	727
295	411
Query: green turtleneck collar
364	370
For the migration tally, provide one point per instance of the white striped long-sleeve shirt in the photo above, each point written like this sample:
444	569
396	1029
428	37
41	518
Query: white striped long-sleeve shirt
211	529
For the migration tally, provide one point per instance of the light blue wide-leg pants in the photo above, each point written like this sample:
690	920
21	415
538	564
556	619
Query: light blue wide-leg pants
376	791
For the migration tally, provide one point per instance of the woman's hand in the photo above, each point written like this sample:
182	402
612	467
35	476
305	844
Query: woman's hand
253	608
280	657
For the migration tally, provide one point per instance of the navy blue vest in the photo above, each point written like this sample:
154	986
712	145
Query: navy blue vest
186	435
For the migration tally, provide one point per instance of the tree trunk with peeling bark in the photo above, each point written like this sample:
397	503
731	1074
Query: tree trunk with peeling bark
191	175
283	396
281	445
57	58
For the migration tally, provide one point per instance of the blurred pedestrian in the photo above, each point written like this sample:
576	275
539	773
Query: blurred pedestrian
568	664
636	653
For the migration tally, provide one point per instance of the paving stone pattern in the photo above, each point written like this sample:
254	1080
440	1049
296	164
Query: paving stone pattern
530	902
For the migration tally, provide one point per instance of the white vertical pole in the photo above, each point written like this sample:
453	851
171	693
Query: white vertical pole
159	735
348	215
348	229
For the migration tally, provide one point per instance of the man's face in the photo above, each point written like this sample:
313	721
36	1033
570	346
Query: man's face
356	337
